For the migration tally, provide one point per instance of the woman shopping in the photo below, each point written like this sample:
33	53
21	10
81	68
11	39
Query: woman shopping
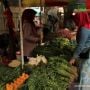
30	32
82	20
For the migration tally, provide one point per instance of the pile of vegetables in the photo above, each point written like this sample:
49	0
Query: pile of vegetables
8	74
56	47
57	74
17	83
52	70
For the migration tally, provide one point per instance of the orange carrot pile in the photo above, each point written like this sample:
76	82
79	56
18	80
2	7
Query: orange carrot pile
17	83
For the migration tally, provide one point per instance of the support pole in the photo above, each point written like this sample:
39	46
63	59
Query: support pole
21	34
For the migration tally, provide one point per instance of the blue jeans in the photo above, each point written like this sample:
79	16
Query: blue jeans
85	74
83	43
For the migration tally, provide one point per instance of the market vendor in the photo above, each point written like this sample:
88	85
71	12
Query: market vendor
30	33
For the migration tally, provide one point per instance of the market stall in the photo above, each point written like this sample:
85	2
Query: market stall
48	68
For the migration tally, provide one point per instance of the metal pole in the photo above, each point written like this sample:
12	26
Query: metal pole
40	9
41	31
21	34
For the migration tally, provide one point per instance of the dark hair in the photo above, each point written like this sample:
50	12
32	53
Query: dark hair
28	14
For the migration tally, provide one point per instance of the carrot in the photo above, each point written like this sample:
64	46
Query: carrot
11	86
7	87
17	83
15	87
27	76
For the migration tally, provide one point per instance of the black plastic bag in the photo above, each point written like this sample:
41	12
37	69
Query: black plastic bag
84	55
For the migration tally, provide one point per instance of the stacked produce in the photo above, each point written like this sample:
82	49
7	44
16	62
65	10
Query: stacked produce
8	74
57	74
51	69
57	47
17	83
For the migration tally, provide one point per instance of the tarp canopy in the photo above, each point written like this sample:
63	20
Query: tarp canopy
33	3
83	4
56	2
44	2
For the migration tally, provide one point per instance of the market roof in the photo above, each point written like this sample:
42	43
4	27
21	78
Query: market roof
38	2
56	2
